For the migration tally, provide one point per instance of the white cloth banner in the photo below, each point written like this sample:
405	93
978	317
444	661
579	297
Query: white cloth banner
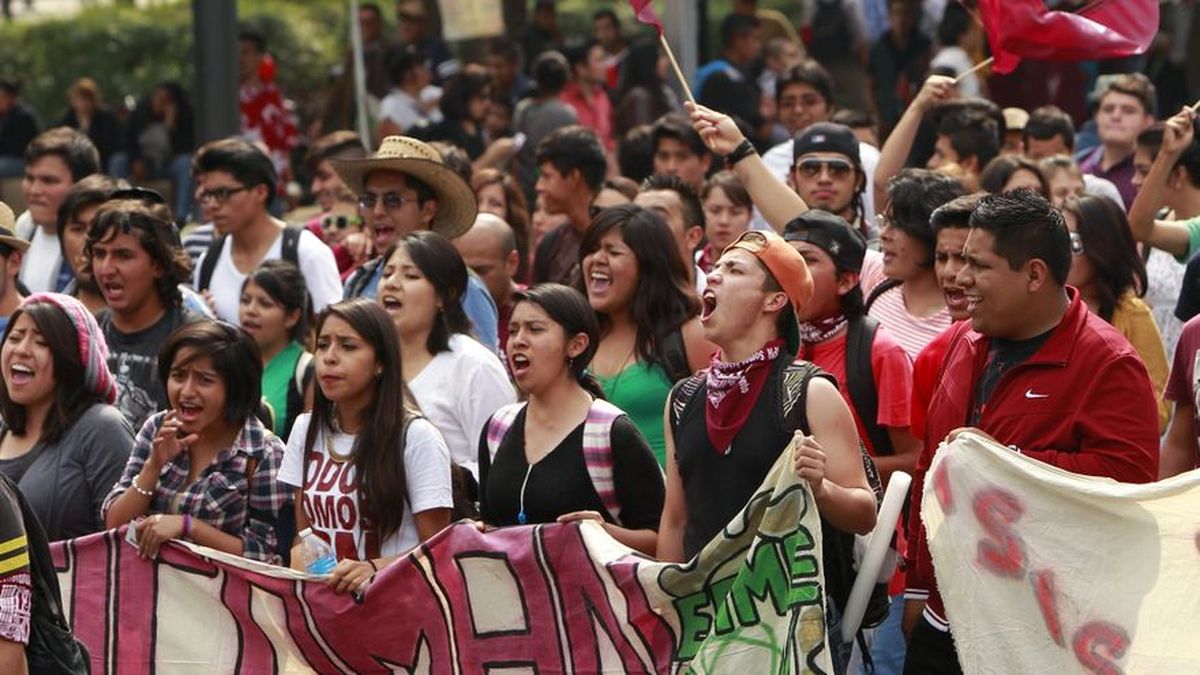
1046	571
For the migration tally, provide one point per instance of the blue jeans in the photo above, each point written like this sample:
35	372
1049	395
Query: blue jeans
839	652
886	643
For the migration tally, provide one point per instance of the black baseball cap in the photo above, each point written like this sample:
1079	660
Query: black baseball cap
832	234
827	137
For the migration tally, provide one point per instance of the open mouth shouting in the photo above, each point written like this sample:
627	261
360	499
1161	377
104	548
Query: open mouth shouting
708	304
391	303
519	365
20	374
599	281
956	300
189	412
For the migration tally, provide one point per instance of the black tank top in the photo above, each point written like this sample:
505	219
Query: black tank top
717	486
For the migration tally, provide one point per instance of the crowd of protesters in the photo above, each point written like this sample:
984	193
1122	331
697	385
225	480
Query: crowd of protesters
545	290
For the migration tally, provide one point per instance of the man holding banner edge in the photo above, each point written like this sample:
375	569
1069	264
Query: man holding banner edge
731	422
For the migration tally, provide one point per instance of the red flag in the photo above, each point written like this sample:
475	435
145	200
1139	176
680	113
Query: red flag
1103	29
643	10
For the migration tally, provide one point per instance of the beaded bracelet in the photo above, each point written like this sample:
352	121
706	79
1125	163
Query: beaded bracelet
187	525
138	489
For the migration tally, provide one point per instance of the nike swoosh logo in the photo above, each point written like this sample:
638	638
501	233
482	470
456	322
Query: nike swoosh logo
1029	394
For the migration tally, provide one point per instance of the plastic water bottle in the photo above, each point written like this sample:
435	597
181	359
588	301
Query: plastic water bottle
318	556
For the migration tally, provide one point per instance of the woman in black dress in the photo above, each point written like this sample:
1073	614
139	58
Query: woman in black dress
565	454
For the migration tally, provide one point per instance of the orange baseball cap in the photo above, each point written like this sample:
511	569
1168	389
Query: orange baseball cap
787	267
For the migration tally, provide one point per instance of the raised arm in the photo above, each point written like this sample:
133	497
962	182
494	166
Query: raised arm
1169	236
937	88
774	199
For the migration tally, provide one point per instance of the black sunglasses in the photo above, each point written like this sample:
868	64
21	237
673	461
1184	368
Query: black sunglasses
838	168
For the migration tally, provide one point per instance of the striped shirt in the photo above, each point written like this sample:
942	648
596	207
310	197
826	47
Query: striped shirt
238	493
912	332
15	580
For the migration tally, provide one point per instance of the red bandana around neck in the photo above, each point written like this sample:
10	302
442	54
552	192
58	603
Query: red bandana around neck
733	389
817	331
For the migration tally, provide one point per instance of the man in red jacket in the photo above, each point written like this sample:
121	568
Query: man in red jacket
1036	371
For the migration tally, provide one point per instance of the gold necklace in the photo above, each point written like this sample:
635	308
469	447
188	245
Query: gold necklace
328	433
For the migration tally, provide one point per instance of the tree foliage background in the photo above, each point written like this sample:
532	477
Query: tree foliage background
128	50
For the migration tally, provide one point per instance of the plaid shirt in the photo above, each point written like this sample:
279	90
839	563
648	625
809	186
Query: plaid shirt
224	495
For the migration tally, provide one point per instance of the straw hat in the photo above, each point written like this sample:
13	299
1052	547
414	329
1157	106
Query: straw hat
456	200
8	229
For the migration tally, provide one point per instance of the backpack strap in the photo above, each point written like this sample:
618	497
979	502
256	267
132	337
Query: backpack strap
682	395
674	354
499	424
304	371
210	262
597	453
793	394
359	279
860	381
291	245
883	287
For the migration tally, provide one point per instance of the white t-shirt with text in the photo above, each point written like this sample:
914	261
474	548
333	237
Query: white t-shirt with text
330	495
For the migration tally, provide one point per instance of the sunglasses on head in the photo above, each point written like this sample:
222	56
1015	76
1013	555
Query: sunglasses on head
340	222
140	194
838	168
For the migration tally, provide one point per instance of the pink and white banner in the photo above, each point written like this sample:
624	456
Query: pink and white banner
538	599
1046	571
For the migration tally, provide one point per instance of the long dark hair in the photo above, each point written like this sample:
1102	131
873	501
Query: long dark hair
282	281
442	265
1108	244
1001	169
641	70
71	397
664	300
379	447
569	309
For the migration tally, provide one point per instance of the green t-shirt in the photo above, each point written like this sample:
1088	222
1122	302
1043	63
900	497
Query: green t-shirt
1193	228
641	390
277	377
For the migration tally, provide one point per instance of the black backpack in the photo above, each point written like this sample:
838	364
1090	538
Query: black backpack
290	253
52	648
860	381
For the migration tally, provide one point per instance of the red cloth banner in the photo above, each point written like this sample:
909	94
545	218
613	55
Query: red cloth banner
538	599
1102	29
643	10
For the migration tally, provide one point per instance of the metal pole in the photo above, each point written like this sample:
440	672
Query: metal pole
214	32
360	76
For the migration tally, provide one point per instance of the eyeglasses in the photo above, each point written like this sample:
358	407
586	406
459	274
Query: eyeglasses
1076	243
340	222
391	201
220	195
837	168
